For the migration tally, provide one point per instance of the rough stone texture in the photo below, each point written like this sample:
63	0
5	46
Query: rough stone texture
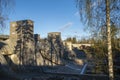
14	59
4	37
36	38
7	49
56	46
68	45
19	46
49	50
21	37
3	60
28	51
43	52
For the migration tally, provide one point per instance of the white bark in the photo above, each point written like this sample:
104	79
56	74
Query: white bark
110	59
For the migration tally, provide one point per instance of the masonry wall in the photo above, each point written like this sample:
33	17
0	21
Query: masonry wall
56	48
21	36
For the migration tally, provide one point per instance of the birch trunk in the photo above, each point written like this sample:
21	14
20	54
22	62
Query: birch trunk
110	59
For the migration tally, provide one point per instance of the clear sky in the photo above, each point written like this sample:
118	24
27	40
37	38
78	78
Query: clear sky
49	16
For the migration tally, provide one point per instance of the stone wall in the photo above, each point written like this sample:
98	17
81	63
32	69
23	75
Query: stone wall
21	37
56	46
70	45
49	50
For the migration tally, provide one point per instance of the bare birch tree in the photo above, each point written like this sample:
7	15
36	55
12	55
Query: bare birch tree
101	13
5	8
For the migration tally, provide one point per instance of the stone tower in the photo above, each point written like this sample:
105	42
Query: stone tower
21	37
56	46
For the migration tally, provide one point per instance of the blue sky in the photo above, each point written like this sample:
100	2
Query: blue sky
49	16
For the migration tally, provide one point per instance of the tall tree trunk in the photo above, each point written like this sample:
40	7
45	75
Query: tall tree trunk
110	59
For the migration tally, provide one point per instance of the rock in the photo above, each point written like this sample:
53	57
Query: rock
14	59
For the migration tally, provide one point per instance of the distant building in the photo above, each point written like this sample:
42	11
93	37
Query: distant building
70	45
81	46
